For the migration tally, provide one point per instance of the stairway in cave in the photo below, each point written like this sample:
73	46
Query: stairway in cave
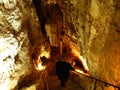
54	84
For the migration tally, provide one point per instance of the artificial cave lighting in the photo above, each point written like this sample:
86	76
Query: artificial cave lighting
41	67
81	72
83	60
38	65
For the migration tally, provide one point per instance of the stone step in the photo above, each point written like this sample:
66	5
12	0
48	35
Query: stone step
54	84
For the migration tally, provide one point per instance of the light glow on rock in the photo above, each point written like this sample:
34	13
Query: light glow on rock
41	67
81	72
44	53
38	65
76	53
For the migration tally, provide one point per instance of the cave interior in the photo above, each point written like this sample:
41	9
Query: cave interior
35	34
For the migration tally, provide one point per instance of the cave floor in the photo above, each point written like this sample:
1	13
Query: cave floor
54	84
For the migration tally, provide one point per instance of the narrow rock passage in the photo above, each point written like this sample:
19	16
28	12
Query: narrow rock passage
54	84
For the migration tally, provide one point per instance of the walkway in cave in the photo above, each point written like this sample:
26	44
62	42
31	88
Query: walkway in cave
54	84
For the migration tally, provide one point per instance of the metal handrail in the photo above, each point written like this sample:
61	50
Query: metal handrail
98	80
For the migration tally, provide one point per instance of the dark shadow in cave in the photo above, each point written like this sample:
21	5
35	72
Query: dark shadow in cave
42	18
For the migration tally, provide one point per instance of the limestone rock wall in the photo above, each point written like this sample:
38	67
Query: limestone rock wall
96	24
19	31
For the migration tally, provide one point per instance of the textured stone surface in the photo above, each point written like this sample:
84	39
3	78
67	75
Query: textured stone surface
15	59
96	24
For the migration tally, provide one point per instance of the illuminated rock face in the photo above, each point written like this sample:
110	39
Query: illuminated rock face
97	30
20	43
15	61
